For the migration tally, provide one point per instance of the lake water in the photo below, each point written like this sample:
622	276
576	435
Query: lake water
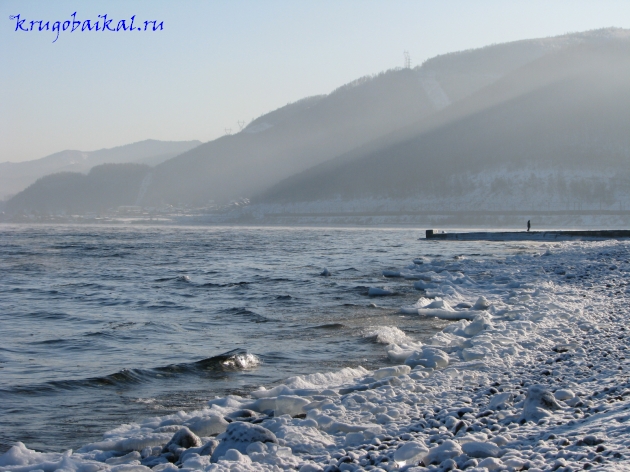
106	325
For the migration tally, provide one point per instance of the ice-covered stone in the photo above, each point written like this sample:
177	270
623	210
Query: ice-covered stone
206	450
538	403
501	401
491	464
208	425
184	438
239	436
411	452
564	394
438	454
481	450
393	371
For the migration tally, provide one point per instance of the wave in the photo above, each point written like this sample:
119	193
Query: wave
178	278
385	335
228	284
330	326
231	361
237	359
248	314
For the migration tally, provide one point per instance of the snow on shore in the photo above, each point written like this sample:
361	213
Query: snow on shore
532	376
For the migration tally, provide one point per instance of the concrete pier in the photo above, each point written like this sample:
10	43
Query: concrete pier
594	235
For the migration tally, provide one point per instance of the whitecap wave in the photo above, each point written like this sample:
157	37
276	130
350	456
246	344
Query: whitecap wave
242	361
386	334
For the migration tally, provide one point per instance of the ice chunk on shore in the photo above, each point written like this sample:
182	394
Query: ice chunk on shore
429	357
290	405
441	309
394	371
207	426
400	353
481	304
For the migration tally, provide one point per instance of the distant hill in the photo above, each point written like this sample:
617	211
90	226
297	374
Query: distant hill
16	176
555	128
105	186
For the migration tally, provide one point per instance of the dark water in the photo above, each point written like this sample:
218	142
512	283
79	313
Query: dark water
105	325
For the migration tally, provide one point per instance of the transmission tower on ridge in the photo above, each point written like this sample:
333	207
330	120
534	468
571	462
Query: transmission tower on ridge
407	60
241	125
228	131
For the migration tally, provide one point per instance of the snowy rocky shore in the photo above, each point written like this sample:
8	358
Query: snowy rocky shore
531	375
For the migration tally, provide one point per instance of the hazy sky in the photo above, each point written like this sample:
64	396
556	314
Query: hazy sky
218	62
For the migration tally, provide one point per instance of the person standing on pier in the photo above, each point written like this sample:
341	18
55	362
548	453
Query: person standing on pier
529	224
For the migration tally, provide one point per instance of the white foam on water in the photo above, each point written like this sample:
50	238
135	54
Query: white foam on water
242	361
385	334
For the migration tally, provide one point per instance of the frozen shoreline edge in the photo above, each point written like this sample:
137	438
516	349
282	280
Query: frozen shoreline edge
402	401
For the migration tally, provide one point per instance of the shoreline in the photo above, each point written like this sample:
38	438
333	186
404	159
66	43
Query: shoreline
468	396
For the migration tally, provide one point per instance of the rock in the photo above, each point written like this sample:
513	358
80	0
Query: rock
481	450
564	394
206	450
491	464
310	468
241	415
590	440
447	450
239	435
538	403
411	453
182	439
234	455
501	401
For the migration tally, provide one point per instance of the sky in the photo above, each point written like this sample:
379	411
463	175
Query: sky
217	63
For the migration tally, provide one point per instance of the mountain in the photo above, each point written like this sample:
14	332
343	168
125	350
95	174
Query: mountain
315	130
16	176
105	186
554	130
532	122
